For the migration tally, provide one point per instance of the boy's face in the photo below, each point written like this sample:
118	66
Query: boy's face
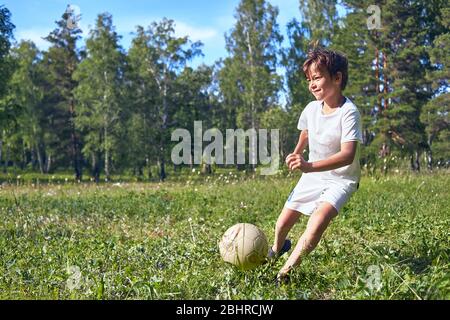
320	83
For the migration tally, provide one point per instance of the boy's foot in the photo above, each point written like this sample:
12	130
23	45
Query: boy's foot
274	255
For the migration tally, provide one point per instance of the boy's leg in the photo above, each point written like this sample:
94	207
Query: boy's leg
285	222
317	224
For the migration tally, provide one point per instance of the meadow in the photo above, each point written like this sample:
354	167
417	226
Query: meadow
131	240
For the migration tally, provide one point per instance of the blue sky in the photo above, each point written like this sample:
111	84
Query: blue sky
204	20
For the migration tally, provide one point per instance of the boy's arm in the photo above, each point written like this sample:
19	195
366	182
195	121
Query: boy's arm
343	158
299	148
302	142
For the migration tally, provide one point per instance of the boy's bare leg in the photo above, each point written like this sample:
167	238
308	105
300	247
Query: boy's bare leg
285	222
316	226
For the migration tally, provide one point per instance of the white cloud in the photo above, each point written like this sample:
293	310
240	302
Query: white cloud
125	27
36	35
195	33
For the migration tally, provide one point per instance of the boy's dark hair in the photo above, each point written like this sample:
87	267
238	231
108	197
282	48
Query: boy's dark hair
332	61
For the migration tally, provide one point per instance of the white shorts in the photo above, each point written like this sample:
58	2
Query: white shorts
312	189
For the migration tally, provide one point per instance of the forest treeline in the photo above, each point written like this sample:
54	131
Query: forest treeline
95	108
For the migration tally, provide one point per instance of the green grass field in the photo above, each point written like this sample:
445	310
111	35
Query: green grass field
159	241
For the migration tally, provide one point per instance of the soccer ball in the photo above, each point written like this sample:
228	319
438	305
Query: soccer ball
244	245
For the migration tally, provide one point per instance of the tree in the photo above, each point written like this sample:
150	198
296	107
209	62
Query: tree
100	78
435	113
60	63
164	58
26	95
253	45
319	23
248	80
144	99
195	102
395	86
6	34
410	28
319	20
357	42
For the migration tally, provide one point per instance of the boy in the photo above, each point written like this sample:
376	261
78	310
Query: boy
331	126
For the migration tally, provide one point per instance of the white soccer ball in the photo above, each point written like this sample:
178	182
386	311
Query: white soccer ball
244	245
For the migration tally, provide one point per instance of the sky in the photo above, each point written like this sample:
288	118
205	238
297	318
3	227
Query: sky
202	20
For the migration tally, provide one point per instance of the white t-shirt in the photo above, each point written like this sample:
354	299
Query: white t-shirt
326	132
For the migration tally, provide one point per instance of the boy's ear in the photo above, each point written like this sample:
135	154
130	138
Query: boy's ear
338	77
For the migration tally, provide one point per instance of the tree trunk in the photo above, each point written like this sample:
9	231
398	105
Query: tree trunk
206	168
386	88
49	163
252	155
150	176
33	159
415	161
429	155
162	170
377	78
23	159
75	144
39	158
147	164
429	152
95	168
106	165
107	173
5	168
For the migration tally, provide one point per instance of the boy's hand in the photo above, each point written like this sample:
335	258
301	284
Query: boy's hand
289	158
296	161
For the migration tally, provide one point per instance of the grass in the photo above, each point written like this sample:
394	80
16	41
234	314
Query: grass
159	241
